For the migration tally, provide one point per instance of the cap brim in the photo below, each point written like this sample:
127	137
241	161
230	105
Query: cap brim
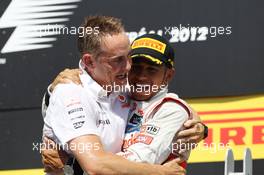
149	57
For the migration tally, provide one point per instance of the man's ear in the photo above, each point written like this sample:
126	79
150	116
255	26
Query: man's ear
88	61
169	74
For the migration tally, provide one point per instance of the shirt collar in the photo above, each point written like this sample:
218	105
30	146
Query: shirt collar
89	83
162	93
144	104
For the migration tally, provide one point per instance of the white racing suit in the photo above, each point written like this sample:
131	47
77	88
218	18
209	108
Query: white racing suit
152	127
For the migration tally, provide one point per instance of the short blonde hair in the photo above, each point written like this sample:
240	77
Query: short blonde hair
91	43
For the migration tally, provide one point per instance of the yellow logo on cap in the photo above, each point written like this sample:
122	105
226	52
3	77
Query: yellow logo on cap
149	43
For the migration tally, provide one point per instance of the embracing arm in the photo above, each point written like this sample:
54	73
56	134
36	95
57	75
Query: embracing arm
195	130
66	76
97	161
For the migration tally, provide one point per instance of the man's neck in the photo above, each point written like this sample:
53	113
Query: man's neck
102	84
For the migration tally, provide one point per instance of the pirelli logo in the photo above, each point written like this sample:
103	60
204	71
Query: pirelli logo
149	43
234	122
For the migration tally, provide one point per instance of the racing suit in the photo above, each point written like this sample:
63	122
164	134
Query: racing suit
152	126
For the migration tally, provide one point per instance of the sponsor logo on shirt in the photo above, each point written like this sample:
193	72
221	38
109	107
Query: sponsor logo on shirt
134	123
75	110
78	124
78	117
135	119
144	139
137	138
130	140
150	129
104	122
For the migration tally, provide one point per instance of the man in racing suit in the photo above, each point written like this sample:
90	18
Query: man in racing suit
154	120
155	115
151	129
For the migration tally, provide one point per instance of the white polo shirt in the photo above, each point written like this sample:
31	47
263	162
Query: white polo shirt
76	110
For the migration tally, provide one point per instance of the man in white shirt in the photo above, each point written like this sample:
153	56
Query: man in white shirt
89	121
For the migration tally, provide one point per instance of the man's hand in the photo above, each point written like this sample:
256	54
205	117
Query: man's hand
193	133
67	76
53	158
